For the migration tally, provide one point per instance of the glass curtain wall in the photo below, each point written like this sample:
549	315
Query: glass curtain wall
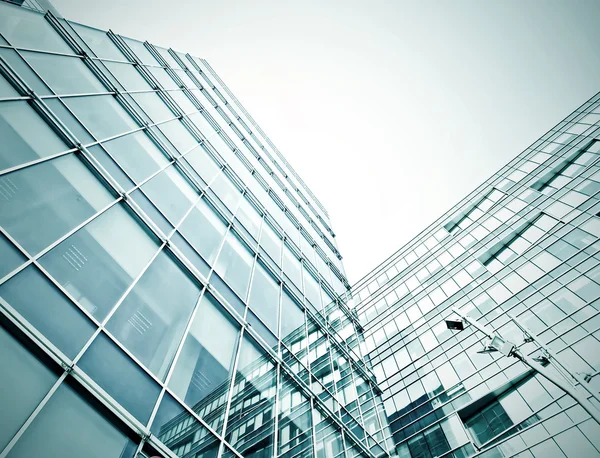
168	285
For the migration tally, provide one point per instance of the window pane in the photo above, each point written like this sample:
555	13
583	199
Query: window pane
64	75
27	29
128	76
120	377
151	320
137	154
153	106
294	421
99	262
292	318
182	433
204	230
102	115
25	136
171	193
39	302
249	218
311	290
227	192
10	256
6	89
271	243
234	264
69	427
264	298
251	422
24	381
292	267
203	164
47	200
205	360
178	135
99	42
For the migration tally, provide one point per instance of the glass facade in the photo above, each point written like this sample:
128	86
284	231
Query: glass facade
524	244
168	284
170	287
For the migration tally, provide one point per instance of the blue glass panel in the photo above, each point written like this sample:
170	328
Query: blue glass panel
120	377
24	381
39	302
151	320
25	135
70	427
99	262
10	257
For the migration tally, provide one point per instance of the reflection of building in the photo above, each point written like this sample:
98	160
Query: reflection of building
525	243
168	284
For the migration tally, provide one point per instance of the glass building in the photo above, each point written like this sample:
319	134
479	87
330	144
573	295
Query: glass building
169	286
523	244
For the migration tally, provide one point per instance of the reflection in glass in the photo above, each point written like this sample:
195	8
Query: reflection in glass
99	262
70	427
251	418
292	320
181	432
295	434
203	366
151	320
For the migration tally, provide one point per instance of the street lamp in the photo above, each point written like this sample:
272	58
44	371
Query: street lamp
539	363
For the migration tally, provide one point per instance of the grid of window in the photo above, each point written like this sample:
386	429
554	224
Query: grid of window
159	293
525	243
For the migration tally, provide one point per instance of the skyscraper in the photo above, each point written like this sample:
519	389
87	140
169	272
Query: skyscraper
169	286
519	252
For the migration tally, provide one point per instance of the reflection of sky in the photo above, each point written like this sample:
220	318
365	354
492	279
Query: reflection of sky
405	106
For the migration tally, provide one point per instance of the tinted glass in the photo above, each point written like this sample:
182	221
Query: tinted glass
99	262
151	320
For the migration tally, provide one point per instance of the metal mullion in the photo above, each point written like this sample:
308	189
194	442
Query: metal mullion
84	94
178	351
33	415
55	53
122	46
313	425
35	337
15	98
132	285
276	406
162	61
114	137
37	161
149	77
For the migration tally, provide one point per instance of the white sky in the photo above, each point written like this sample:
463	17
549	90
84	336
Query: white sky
390	111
